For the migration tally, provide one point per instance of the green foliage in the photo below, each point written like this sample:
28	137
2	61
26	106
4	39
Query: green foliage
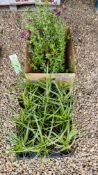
45	123
48	38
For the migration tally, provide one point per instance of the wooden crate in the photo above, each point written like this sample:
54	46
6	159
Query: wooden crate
69	61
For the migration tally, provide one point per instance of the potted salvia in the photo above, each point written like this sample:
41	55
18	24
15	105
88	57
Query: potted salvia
49	44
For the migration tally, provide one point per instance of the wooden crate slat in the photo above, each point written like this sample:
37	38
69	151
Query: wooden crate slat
13	2
66	77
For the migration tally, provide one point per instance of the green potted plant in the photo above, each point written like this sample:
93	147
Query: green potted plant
45	124
49	44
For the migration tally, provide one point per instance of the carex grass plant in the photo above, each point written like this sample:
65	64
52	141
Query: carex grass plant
46	122
47	39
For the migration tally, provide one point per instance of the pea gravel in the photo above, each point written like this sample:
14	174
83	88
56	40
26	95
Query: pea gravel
83	21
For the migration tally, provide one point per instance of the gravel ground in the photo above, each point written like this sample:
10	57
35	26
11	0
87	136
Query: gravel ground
83	21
